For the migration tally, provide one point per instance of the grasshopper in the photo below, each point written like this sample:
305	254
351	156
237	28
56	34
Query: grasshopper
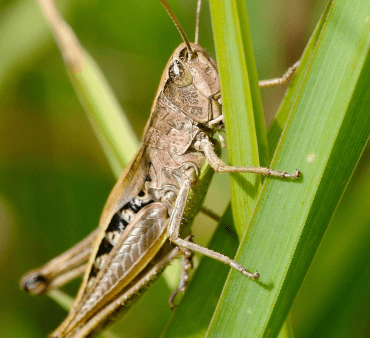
150	209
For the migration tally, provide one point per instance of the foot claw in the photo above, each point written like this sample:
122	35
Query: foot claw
250	275
172	299
294	176
256	275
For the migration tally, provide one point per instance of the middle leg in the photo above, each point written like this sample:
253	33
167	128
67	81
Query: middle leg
173	232
186	265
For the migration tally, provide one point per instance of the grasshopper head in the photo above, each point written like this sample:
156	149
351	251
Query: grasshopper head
192	83
190	80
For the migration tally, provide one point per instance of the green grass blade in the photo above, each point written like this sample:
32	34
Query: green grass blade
327	129
339	306
109	122
286	330
277	125
241	109
60	297
257	108
112	128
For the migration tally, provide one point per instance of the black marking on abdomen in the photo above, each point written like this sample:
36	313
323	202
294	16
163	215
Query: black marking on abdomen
136	204
118	225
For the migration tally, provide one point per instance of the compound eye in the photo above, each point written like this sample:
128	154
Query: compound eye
179	75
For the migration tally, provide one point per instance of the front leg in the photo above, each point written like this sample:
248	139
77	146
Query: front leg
206	146
173	229
281	80
262	84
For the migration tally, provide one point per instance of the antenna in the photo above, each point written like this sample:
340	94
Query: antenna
177	24
199	5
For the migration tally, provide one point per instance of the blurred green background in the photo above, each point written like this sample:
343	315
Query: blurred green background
55	178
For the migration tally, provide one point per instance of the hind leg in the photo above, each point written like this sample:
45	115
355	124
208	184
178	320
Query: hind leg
61	269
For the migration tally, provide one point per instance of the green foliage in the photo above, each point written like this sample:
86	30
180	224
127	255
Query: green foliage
55	179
